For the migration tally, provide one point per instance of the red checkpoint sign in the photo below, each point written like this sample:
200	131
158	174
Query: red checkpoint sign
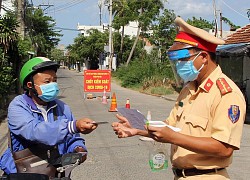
97	80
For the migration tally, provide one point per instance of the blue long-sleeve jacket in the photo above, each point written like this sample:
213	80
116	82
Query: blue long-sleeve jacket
27	127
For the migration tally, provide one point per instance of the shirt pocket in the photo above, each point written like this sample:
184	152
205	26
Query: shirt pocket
196	124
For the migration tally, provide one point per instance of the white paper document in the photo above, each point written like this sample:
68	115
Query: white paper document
162	124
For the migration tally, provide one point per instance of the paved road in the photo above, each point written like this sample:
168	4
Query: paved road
111	158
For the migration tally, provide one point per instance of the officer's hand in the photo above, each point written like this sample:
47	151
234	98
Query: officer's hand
123	128
85	125
160	134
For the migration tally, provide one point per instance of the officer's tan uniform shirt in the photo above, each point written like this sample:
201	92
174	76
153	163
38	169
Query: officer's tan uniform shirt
208	113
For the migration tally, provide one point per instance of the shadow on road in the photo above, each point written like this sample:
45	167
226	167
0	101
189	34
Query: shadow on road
60	97
61	77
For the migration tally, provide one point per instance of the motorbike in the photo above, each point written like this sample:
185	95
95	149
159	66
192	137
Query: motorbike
67	163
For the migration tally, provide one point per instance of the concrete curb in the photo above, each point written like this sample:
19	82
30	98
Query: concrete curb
171	97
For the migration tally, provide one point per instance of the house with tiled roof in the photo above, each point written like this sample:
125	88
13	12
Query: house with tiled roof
234	57
242	35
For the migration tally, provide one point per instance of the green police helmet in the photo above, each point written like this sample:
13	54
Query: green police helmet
35	64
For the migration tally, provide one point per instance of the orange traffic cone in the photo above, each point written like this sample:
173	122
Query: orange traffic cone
113	105
104	98
127	104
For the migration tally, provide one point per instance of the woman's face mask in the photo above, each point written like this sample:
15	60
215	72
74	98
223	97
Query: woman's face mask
49	91
185	69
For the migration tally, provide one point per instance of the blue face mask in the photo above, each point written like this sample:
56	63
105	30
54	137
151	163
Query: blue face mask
49	91
187	71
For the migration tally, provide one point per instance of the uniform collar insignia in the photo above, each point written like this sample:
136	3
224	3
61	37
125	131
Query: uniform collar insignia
208	85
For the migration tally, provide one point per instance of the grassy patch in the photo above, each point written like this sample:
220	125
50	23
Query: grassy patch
160	90
153	85
116	80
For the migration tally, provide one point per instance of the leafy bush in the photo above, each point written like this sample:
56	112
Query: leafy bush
161	90
6	80
147	71
7	84
24	46
134	73
156	81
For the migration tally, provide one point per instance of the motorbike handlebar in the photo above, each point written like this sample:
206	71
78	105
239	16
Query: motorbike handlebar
68	163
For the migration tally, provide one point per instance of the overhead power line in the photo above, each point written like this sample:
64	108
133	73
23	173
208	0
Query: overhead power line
67	5
61	7
233	9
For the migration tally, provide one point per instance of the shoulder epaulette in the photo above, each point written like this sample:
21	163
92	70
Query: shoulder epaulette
223	86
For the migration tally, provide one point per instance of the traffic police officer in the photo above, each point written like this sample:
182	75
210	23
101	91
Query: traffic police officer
210	110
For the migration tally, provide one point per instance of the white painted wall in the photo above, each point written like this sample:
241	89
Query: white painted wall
129	30
8	4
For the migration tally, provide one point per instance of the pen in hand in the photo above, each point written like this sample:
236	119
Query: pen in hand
101	122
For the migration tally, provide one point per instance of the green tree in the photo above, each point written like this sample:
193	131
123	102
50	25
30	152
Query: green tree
144	12
88	48
57	55
164	32
122	15
127	44
200	23
8	34
41	30
8	45
73	55
227	21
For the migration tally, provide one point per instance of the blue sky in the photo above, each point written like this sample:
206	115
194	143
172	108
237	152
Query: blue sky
68	13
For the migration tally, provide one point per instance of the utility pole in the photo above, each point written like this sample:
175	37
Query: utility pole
220	24
215	18
100	10
110	35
